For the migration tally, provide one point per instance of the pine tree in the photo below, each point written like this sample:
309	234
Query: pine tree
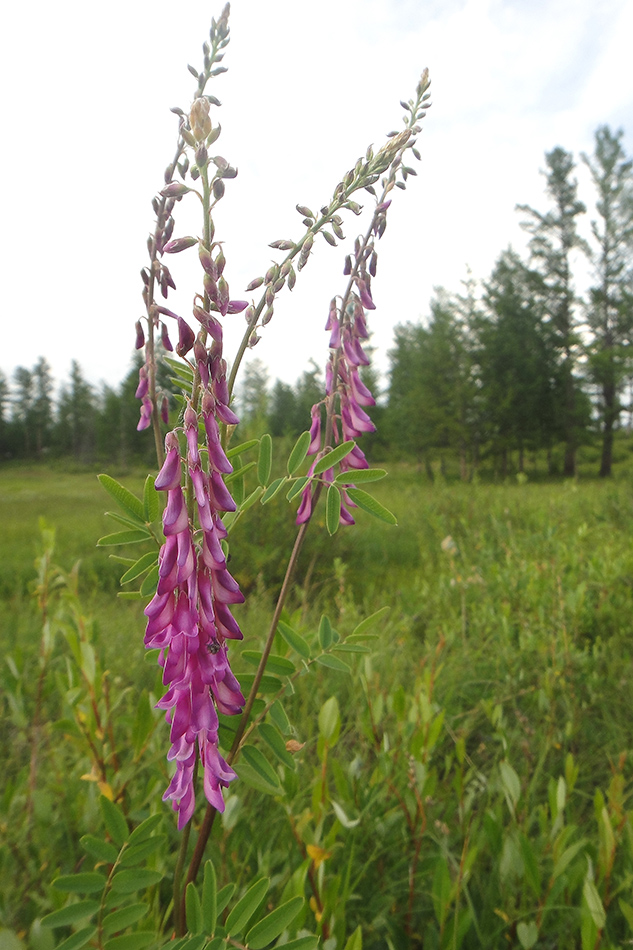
610	309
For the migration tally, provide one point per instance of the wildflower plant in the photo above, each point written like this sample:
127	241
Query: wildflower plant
202	480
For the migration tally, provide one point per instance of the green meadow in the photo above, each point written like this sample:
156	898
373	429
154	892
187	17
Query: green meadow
484	759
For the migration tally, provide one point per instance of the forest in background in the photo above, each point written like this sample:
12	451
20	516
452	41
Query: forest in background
514	366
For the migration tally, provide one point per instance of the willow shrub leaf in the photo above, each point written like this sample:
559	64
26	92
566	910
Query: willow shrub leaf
342	817
193	909
209	903
242	447
594	903
246	907
99	849
77	940
333	663
87	882
139	567
124	498
150	500
527	932
125	537
332	509
272	489
71	914
330	720
325	632
511	784
265	459
276	744
360	475
124	917
332	458
298	486
355	940
298	453
128	882
114	820
368	503
273	924
294	639
135	941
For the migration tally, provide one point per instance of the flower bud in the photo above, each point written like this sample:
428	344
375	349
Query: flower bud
199	119
180	244
255	283
164	410
175	190
218	189
186	338
202	156
164	338
140	336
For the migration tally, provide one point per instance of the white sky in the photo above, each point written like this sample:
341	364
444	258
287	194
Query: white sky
85	91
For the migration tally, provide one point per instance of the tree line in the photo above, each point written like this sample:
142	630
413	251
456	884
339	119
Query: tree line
527	364
517	363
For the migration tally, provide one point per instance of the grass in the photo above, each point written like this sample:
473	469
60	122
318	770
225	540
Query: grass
518	597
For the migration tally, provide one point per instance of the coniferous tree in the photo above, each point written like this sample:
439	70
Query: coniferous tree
432	387
554	236
76	413
610	308
22	408
42	411
517	369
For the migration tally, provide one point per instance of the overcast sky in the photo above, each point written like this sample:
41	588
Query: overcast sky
86	90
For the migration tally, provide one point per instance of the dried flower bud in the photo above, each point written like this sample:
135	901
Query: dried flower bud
202	156
270	296
249	316
220	262
253	339
302	209
329	238
255	283
268	316
140	336
271	273
199	119
277	286
347	268
292	278
218	189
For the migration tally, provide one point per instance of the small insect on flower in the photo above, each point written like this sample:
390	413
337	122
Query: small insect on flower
213	647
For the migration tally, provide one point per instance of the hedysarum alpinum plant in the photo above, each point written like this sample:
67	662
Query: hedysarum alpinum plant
190	620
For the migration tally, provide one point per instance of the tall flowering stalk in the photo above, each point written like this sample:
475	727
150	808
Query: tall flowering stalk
189	618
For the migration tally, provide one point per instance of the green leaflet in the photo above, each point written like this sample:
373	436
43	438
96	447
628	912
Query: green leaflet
124	498
368	503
